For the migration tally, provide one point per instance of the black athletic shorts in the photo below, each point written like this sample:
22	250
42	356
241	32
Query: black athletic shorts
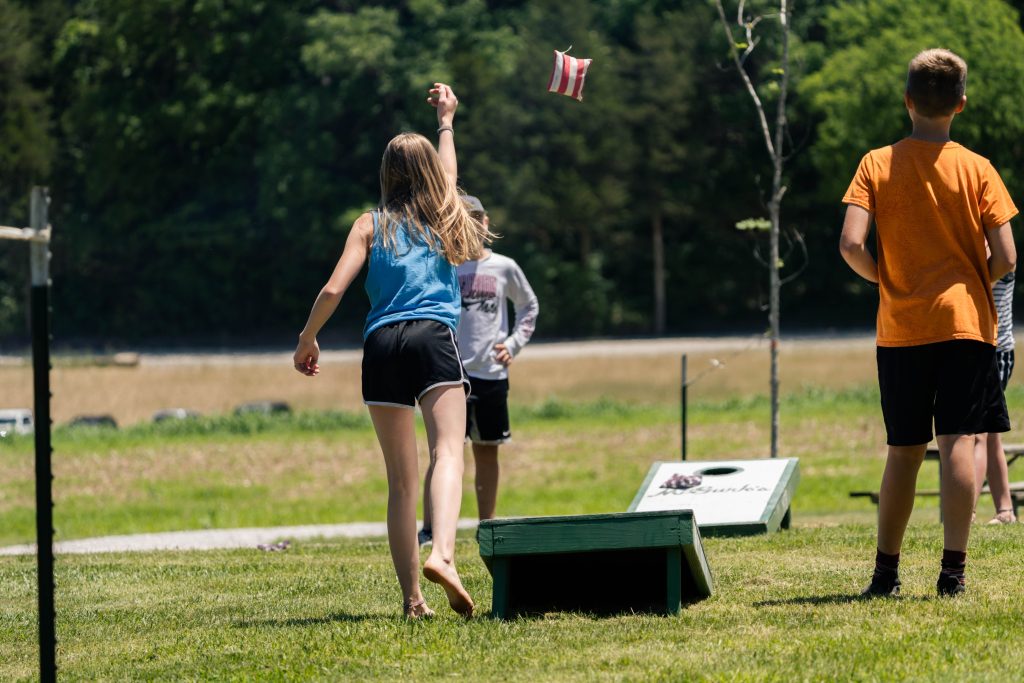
487	412
404	360
1004	361
955	382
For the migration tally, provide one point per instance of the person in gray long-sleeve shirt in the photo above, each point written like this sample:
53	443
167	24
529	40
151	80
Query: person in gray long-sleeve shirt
487	347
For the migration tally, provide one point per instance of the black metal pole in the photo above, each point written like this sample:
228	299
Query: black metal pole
40	305
44	477
682	392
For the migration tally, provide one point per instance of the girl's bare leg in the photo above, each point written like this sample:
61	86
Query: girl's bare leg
444	414
998	474
397	437
980	464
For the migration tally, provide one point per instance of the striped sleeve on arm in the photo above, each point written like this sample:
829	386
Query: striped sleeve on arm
1002	292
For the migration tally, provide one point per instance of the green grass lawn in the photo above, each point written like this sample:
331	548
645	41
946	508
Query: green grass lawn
330	610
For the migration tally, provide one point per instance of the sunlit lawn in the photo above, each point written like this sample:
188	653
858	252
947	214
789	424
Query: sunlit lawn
330	610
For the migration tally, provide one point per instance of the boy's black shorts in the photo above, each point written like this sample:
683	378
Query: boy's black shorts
404	360
1004	360
955	382
487	412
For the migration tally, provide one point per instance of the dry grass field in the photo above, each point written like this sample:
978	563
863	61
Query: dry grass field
133	394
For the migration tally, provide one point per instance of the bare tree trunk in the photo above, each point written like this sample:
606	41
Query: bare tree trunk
773	325
777	191
775	152
658	249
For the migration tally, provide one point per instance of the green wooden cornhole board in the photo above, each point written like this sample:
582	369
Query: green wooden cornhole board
606	564
734	498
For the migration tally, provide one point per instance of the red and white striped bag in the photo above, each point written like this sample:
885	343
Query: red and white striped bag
568	74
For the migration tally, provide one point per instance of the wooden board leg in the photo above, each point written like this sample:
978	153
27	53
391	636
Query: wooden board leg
673	580
787	519
499	601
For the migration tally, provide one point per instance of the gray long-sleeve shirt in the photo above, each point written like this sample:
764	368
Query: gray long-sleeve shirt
487	284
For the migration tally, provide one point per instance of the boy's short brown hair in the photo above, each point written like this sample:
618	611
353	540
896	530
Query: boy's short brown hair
936	81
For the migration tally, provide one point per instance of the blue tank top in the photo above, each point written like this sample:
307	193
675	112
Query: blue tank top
409	282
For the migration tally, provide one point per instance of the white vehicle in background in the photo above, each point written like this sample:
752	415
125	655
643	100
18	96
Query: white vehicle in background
15	422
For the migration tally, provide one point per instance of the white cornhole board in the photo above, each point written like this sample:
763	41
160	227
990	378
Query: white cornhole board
734	498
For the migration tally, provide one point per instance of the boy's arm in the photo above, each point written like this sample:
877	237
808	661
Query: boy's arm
1003	258
853	243
526	306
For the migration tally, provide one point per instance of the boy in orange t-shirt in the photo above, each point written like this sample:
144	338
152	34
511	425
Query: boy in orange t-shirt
935	205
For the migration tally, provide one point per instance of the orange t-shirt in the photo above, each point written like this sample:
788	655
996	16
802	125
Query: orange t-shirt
932	203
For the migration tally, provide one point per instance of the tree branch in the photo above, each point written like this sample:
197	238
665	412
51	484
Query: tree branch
799	240
757	256
751	90
780	107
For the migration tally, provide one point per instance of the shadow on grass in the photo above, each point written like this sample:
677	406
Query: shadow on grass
592	613
836	599
342	617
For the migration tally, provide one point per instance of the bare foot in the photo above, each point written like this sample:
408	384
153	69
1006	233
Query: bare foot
444	574
417	610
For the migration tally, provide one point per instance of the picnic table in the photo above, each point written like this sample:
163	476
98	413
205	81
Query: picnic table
1013	452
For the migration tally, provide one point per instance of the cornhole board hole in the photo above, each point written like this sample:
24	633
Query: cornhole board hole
734	497
604	564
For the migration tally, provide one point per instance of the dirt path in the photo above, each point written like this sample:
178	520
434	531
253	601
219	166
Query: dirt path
212	539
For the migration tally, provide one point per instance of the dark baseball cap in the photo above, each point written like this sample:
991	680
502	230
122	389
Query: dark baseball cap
473	204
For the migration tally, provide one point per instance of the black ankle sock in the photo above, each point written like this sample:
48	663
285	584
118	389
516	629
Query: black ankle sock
953	563
886	563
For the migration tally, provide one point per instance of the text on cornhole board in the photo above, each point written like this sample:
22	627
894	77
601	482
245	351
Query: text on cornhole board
727	497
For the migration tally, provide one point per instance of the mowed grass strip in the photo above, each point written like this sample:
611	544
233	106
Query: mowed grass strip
567	458
784	610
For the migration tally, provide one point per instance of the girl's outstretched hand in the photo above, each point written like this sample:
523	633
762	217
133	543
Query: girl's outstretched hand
444	100
307	353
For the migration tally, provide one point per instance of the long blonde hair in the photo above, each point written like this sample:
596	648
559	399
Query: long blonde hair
416	191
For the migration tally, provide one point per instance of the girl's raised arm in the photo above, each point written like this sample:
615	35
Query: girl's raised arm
443	98
357	249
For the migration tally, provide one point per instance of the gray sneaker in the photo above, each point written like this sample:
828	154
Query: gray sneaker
425	537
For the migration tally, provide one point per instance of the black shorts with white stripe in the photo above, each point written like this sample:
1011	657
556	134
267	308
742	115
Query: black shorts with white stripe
404	360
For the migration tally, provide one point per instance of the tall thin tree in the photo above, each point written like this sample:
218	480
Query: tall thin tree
740	50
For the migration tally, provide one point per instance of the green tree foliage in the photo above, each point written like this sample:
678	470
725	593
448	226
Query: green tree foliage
858	90
207	157
522	138
25	145
26	151
183	131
